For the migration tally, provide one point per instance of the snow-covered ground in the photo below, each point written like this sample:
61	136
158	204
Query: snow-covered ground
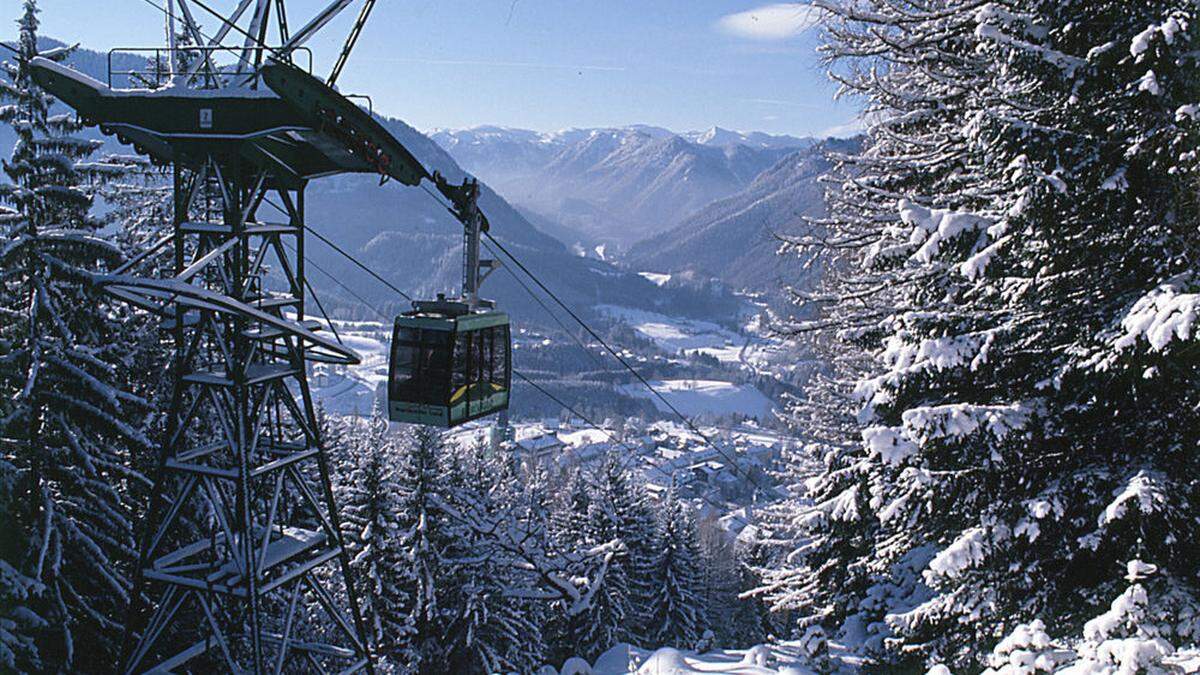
697	397
783	659
350	390
749	347
656	278
674	334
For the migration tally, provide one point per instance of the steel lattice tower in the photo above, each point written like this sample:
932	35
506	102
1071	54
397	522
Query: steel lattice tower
243	450
242	565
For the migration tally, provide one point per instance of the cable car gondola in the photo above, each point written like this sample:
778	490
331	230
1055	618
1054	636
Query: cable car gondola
449	364
451	360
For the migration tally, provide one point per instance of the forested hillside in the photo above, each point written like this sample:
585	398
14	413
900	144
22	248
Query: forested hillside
735	239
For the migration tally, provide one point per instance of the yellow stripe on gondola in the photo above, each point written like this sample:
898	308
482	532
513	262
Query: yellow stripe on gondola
463	389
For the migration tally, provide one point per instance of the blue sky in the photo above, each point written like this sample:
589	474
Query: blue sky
546	64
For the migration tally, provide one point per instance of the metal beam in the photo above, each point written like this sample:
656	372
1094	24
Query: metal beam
318	22
351	39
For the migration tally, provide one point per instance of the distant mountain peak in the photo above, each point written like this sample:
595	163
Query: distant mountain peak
723	138
714	136
718	136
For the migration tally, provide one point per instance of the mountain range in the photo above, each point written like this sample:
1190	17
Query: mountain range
711	204
611	187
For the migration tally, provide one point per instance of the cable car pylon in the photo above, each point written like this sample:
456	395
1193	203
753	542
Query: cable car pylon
241	566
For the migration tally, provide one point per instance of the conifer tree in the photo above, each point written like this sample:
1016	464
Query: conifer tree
1015	252
618	512
368	489
568	525
425	536
1028	650
65	419
751	621
495	629
1135	633
675	613
719	583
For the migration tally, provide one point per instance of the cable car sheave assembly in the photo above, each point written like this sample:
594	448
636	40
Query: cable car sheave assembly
242	524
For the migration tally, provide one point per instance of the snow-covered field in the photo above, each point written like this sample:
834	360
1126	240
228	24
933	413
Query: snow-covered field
655	278
696	397
674	334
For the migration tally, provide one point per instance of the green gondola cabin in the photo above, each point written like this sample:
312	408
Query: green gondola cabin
449	364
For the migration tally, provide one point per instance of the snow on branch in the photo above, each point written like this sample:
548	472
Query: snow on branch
967	551
989	19
889	444
1143	491
1168	29
927	423
1163	315
904	358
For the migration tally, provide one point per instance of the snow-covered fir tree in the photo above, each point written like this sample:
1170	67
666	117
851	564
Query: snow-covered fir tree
720	584
368	491
65	418
1016	249
137	202
676	615
1136	632
496	629
567	521
1028	650
607	508
426	533
751	622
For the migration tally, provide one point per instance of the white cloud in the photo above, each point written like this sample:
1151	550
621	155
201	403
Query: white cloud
780	102
779	21
852	128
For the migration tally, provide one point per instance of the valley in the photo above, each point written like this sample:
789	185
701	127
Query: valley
664	241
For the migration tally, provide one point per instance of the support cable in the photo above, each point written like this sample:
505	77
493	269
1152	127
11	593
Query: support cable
343	253
688	422
315	297
633	452
536	298
361	266
579	341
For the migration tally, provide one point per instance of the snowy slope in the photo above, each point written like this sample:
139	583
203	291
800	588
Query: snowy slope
734	239
676	334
